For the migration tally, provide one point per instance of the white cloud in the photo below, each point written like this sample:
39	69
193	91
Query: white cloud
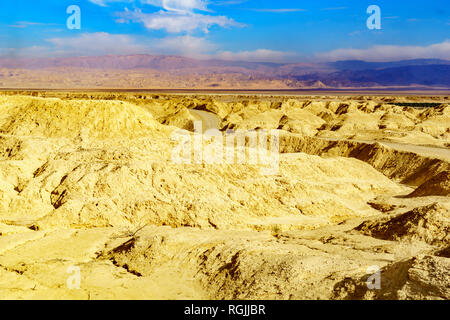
34	52
103	3
178	5
176	22
86	44
169	5
102	43
25	24
99	43
187	46
381	53
260	55
175	16
99	2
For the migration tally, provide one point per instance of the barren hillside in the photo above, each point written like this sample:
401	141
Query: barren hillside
88	180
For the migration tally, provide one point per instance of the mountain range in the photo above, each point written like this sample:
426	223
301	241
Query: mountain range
162	71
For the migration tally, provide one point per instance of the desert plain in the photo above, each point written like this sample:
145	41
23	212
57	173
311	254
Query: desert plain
89	188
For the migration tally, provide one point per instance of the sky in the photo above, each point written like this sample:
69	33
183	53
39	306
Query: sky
248	30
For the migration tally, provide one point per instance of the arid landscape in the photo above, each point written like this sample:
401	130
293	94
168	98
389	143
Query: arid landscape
89	183
178	72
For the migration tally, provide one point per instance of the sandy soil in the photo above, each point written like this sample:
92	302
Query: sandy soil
89	190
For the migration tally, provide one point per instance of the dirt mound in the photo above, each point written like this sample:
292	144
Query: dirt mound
106	185
420	278
87	164
436	186
55	118
405	167
430	224
356	120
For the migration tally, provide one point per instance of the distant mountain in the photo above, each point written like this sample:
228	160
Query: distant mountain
426	75
357	65
175	71
157	62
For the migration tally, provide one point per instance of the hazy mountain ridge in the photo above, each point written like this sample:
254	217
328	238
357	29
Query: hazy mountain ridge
359	65
222	74
162	62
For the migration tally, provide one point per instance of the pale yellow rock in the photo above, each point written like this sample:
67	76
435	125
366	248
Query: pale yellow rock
89	183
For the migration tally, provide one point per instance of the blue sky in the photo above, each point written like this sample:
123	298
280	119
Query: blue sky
254	30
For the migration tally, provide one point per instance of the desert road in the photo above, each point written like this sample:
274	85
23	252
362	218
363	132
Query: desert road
209	119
